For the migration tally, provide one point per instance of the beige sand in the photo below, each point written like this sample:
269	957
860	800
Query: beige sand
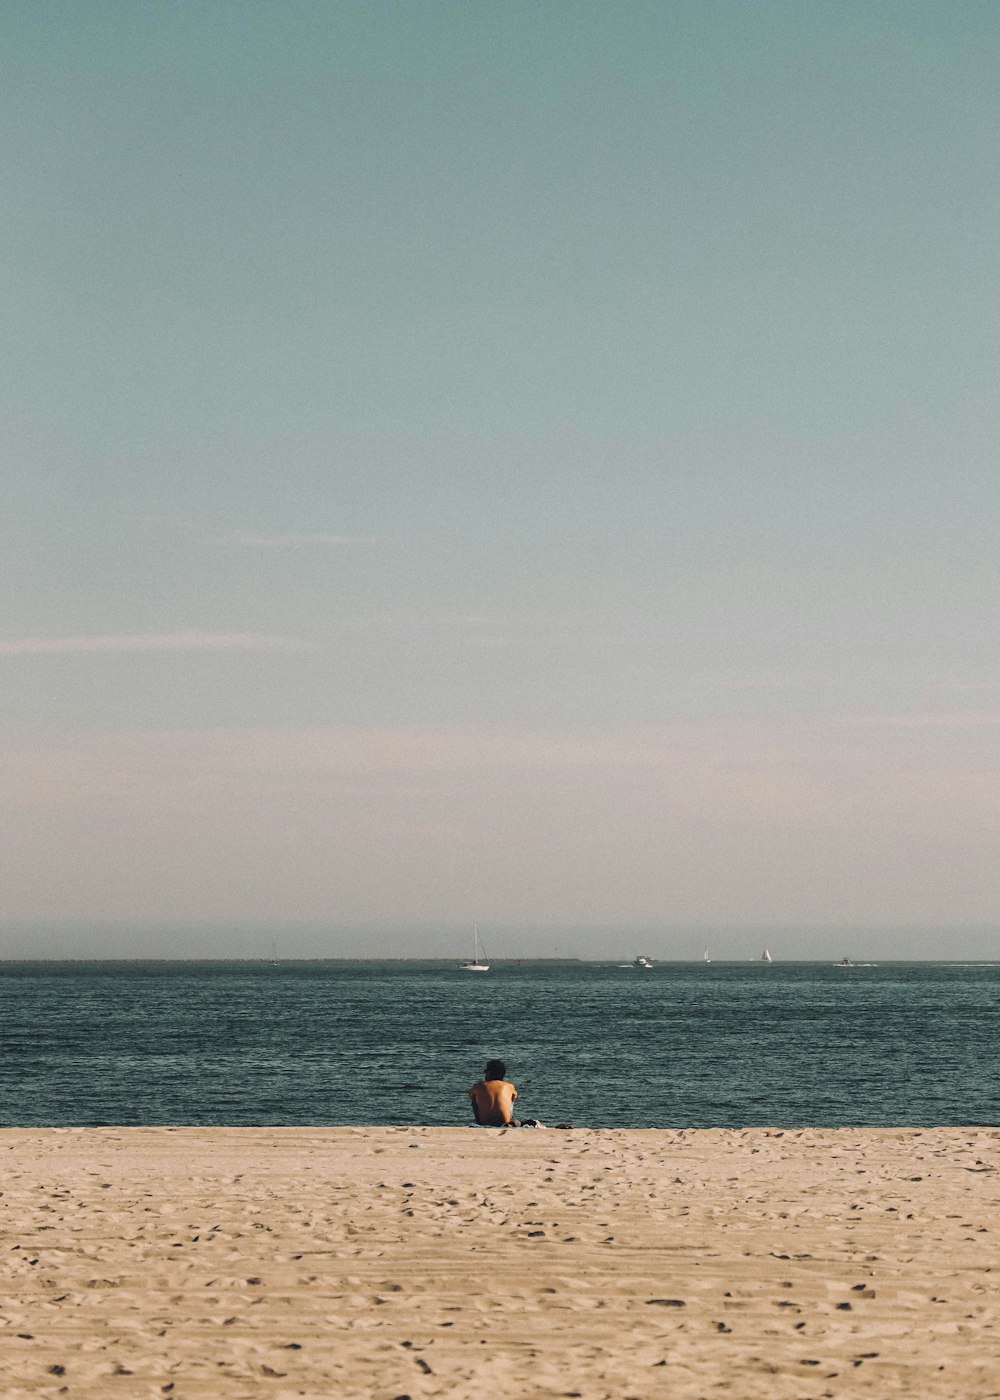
392	1262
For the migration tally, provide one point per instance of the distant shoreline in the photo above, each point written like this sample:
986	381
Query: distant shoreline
257	960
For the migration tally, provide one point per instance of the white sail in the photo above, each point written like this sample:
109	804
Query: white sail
478	963
766	956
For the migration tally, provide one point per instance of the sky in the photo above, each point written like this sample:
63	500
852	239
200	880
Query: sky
531	463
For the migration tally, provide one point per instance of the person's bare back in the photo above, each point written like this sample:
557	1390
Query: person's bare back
493	1097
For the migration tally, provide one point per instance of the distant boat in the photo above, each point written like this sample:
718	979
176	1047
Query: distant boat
706	957
766	956
844	962
642	963
478	962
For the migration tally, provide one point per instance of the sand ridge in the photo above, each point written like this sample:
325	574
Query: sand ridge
387	1262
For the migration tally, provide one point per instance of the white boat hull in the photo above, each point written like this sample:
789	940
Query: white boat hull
477	963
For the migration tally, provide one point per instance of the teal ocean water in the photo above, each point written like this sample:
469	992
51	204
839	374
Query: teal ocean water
684	1045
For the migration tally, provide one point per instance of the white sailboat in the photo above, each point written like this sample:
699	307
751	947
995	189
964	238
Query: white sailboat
766	956
478	962
706	957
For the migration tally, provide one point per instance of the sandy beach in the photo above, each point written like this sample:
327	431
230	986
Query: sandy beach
390	1262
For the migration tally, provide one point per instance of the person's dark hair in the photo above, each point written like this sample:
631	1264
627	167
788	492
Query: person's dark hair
496	1069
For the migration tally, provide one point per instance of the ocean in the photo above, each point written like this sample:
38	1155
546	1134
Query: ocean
595	1044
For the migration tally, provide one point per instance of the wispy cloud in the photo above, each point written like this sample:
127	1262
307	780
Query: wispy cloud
962	719
169	641
257	540
970	687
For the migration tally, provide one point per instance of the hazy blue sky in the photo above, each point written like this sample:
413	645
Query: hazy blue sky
532	462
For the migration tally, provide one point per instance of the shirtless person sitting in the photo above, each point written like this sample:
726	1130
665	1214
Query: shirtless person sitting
493	1097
